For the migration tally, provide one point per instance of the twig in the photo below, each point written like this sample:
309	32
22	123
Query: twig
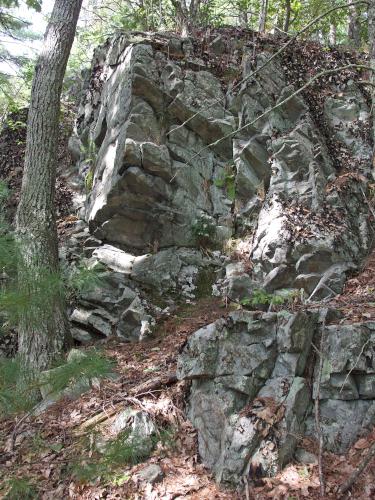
355	364
14	433
317	411
156	383
358	471
368	203
316	349
247	494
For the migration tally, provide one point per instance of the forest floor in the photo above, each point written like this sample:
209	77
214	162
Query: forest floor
45	449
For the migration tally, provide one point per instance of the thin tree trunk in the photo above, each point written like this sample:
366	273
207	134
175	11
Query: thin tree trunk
332	36
243	17
288	12
43	341
187	14
263	15
371	42
354	26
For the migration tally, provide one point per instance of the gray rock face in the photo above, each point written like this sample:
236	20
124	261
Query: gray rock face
250	400
150	474
157	144
133	288
230	363
146	188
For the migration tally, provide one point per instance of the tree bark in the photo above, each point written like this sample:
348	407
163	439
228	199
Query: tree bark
354	25
187	13
288	12
332	36
243	17
43	341
263	15
371	41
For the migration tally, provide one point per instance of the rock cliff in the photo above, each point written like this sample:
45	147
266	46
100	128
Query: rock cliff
205	173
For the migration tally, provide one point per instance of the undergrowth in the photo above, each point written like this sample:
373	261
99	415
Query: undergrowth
261	297
20	489
126	449
17	390
89	364
29	293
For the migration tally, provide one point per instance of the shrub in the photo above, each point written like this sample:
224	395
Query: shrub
204	230
228	182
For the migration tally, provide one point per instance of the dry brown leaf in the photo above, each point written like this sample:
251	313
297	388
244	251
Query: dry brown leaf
361	444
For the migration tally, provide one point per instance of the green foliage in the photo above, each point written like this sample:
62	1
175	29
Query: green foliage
90	153
15	397
82	278
89	180
15	70
85	472
20	489
30	297
204	230
125	449
261	297
228	181
90	365
17	389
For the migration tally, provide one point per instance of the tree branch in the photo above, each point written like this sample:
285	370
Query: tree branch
362	466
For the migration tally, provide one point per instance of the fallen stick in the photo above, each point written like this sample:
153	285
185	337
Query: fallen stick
358	471
153	384
140	390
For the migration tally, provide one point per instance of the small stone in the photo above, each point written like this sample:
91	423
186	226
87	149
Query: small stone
305	457
151	474
366	386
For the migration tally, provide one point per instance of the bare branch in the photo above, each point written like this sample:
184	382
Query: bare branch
355	475
355	364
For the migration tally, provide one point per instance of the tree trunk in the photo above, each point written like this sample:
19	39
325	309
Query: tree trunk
332	36
354	26
243	17
371	41
263	15
187	13
43	341
288	12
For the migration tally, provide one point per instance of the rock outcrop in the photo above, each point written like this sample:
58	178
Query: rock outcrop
251	397
188	148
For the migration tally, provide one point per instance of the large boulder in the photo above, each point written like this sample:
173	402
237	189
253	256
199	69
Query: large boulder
250	399
251	358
